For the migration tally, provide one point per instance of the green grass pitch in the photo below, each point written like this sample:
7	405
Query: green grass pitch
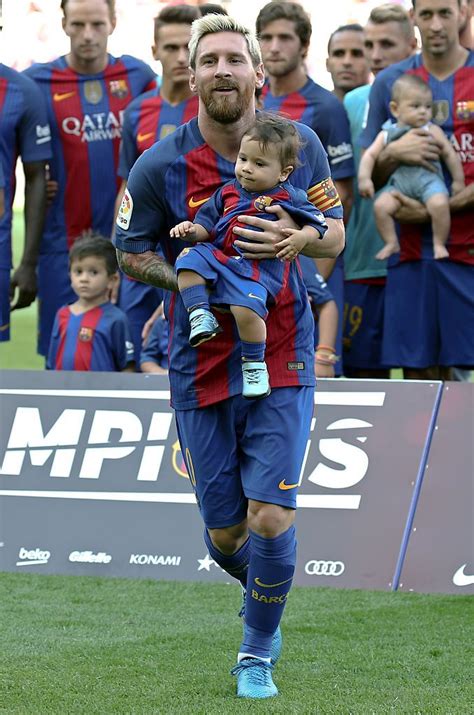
98	646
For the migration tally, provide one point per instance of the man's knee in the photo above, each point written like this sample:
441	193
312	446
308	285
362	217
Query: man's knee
269	520
230	539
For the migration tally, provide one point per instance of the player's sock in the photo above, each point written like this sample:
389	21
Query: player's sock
253	352
270	573
195	296
235	565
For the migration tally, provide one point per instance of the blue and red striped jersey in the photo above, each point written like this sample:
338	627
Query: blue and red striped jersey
453	111
220	215
148	119
86	115
24	130
166	186
97	340
325	114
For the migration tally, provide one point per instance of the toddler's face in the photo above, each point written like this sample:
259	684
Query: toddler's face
258	170
415	108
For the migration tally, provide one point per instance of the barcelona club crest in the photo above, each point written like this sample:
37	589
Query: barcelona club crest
262	202
465	110
440	111
85	335
93	91
119	88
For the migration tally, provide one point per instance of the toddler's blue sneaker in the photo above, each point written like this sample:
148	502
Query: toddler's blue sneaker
204	326
255	380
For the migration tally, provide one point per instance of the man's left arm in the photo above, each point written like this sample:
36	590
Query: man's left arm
23	279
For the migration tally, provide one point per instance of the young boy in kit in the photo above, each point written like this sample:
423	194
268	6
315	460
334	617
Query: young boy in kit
268	154
91	334
411	105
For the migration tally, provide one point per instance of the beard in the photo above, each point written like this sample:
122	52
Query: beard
227	110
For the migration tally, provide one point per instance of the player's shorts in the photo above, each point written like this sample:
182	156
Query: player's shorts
315	284
336	286
363	326
228	287
54	291
429	315
138	301
239	449
4	304
417	183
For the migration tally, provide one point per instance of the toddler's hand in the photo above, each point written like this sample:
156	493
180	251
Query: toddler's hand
366	188
182	230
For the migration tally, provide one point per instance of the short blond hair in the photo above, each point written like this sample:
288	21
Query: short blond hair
212	23
390	12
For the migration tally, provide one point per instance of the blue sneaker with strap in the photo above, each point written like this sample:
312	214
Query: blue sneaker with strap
255	380
204	326
277	640
254	679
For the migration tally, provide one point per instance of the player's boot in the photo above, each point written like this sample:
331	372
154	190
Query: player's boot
255	380
204	327
277	640
254	679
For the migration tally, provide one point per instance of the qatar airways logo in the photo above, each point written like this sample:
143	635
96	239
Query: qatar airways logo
464	145
99	126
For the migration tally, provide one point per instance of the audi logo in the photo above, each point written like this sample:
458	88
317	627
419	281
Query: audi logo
324	568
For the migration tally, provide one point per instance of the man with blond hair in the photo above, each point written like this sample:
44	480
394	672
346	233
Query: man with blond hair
244	470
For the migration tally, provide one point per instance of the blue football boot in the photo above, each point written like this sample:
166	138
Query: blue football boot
254	679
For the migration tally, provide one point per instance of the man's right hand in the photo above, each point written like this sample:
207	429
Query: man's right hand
417	147
51	187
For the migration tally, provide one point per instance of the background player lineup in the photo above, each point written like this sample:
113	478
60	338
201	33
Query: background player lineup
32	31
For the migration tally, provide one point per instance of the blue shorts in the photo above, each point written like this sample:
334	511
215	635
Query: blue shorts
417	183
429	315
138	301
228	287
363	326
4	304
54	291
239	449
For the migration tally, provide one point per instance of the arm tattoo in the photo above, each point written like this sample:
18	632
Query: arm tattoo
148	268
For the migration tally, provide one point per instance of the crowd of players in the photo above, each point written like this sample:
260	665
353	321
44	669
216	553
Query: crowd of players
80	122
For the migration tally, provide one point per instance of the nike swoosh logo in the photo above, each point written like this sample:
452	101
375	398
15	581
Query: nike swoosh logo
271	585
59	96
284	486
463	579
257	297
193	203
144	137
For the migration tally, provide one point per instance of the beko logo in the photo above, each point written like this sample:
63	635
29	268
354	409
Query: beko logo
60	443
88	557
32	557
324	568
